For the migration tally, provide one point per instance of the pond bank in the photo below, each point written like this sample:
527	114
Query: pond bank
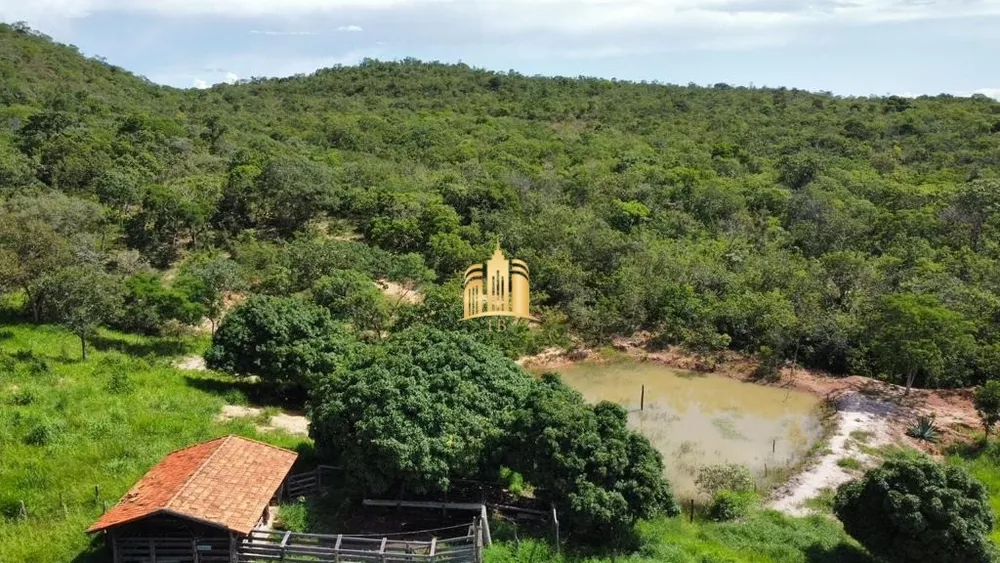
869	413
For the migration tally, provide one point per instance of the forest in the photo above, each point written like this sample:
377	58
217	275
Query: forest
855	235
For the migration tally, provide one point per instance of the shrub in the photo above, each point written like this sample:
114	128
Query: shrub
731	477
912	511
24	397
730	505
119	383
42	432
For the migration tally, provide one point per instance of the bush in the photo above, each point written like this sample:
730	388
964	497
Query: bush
42	432
730	477
912	511
730	505
119	383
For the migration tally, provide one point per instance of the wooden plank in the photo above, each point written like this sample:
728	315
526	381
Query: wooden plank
476	507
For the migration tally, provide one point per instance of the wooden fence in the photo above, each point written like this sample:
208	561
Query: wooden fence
267	546
311	482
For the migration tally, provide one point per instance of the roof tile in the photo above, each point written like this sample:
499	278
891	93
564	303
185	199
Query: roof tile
227	481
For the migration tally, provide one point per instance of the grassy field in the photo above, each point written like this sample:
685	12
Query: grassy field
68	427
984	463
765	537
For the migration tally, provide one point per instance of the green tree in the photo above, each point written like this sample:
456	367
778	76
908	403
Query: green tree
288	343
600	474
30	251
353	296
420	408
206	279
915	334
988	404
912	511
148	304
82	298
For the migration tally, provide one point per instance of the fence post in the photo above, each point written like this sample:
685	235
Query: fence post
555	522
23	514
692	511
642	399
487	536
97	495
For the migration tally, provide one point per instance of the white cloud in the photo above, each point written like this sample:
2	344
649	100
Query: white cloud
200	84
272	32
350	28
231	78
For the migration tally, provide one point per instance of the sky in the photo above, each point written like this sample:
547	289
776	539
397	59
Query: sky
848	47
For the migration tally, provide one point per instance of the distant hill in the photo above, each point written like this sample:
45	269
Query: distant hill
777	222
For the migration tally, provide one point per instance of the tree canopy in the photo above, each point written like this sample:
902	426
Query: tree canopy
910	511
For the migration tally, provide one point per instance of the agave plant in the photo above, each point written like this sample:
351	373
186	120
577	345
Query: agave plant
924	429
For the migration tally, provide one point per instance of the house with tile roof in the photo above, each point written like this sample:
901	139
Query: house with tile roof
197	504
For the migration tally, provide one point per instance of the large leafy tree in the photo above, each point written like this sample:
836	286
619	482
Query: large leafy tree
915	335
912	511
286	342
600	474
417	410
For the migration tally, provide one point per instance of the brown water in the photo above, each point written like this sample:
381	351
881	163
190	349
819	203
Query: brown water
698	419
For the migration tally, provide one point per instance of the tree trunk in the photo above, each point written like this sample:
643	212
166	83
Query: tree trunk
83	345
212	321
909	382
35	314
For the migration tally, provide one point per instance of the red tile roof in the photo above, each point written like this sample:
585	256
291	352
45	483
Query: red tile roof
227	482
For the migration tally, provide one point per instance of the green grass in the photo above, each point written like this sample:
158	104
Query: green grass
68	426
766	537
984	464
850	463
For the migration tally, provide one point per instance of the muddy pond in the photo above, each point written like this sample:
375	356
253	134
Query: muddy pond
696	419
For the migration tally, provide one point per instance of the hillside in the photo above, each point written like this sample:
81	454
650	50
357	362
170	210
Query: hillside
778	222
314	229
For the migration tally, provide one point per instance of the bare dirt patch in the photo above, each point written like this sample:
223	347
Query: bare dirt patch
855	413
399	293
296	424
194	362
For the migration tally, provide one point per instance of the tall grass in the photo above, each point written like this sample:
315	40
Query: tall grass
75	434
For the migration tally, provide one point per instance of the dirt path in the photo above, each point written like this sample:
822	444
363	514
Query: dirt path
295	424
860	420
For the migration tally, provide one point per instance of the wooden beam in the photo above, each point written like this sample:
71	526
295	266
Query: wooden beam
473	506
